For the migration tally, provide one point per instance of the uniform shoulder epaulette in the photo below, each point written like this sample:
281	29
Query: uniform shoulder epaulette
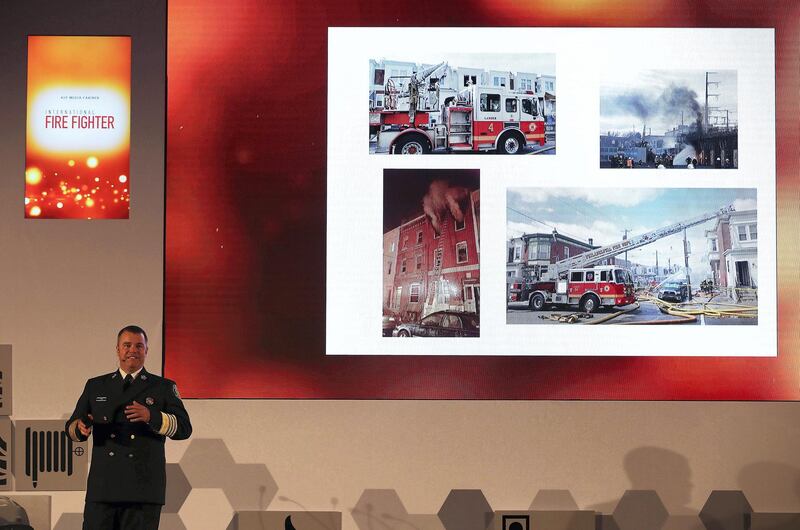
100	378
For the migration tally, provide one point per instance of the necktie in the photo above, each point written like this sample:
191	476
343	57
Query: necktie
127	383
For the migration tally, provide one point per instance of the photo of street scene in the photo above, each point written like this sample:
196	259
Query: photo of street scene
463	103
664	119
431	253
632	256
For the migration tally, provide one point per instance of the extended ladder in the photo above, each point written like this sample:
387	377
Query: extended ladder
438	259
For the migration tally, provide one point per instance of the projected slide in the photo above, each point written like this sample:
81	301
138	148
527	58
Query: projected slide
78	128
431	253
577	258
580	265
494	272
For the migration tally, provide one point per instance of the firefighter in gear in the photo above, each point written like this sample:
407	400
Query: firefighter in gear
129	413
413	98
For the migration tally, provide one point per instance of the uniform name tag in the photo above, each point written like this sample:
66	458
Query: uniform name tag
101	398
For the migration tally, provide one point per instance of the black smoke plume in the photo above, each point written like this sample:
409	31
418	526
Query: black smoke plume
668	104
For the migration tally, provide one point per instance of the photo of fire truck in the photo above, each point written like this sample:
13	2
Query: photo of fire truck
576	282
420	116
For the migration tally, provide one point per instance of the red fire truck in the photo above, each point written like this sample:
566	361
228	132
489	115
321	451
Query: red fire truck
589	288
572	282
479	118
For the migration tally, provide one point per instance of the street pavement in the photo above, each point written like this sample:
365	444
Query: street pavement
518	313
608	165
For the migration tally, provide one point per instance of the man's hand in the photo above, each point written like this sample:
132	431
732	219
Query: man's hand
86	430
137	412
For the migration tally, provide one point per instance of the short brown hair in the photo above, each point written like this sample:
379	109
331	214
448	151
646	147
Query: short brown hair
132	329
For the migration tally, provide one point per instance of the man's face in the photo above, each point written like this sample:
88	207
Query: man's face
131	350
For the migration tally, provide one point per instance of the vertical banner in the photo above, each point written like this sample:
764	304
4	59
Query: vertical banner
78	128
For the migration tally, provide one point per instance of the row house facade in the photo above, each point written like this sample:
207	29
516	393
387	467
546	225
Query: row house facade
435	271
545	89
460	77
651	275
732	247
379	72
390	247
530	255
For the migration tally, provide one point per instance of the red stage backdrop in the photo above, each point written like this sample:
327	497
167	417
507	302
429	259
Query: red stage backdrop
245	223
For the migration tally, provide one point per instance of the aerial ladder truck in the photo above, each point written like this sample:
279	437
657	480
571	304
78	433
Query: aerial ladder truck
578	281
424	116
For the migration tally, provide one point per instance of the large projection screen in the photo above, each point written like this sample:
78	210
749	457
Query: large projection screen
276	208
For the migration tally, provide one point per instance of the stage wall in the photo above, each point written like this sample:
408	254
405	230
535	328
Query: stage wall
67	286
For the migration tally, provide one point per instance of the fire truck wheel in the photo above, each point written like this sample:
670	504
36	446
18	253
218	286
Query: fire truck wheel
589	304
537	302
510	144
412	144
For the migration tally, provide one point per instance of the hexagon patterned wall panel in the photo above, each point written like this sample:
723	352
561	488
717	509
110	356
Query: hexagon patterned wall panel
466	510
554	500
178	489
725	510
207	463
382	508
69	521
638	509
196	514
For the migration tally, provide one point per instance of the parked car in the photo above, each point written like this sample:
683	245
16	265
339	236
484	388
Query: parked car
390	321
441	324
674	292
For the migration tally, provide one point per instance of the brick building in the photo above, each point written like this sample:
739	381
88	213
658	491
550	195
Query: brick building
390	244
435	271
530	255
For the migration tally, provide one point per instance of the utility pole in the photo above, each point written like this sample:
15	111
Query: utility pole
657	271
624	238
716	85
686	264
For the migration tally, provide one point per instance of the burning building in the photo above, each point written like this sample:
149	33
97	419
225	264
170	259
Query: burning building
437	263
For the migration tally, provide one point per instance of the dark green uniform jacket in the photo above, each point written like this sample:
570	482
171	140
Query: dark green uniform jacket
128	462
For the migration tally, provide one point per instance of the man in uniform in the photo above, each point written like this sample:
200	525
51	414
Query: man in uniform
130	413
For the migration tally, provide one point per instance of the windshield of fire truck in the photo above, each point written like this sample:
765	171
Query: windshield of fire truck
622	276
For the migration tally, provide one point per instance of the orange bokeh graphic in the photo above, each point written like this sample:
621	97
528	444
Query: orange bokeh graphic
78	128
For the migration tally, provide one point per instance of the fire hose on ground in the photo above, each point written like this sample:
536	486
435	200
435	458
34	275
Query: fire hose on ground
706	308
686	312
574	318
632	307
